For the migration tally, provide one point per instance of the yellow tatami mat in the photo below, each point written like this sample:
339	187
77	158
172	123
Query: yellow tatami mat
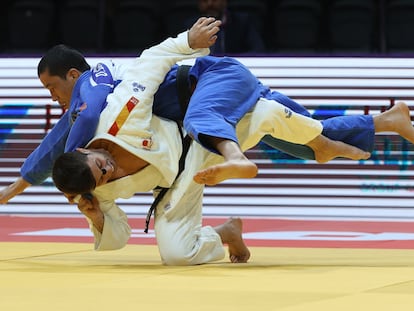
69	276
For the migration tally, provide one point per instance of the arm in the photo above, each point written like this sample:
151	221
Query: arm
13	189
93	88
133	97
38	165
107	221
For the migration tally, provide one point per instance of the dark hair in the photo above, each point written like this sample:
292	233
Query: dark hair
59	59
72	175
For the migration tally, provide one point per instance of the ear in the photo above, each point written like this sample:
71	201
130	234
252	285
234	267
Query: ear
83	150
73	74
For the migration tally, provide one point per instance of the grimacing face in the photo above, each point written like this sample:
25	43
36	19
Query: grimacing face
101	163
60	89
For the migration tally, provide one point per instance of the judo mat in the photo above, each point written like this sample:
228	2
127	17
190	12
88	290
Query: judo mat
48	263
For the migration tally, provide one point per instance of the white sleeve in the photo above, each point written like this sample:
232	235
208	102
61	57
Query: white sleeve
133	97
116	230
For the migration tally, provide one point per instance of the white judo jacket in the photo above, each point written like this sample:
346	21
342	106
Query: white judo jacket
128	121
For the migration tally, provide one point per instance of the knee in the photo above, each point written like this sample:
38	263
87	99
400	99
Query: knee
176	256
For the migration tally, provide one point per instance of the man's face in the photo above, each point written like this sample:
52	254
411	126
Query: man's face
213	8
60	89
101	163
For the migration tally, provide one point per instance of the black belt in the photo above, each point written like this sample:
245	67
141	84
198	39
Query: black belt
184	94
183	87
181	165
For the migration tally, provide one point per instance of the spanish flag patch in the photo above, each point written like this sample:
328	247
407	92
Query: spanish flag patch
123	116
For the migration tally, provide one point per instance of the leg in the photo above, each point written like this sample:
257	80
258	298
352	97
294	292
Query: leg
326	149
295	150
231	234
356	130
182	239
321	149
397	119
235	165
271	119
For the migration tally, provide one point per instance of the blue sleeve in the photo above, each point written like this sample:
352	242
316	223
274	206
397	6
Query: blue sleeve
38	166
86	122
93	93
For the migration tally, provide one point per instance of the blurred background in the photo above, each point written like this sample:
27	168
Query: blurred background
326	27
335	57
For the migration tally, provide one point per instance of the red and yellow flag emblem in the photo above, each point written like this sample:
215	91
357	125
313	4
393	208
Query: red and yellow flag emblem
123	116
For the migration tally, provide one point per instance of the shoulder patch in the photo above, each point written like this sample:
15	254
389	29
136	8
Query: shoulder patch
101	74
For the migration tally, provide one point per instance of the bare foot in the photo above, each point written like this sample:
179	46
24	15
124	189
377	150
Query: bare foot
231	234
215	174
396	119
326	149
